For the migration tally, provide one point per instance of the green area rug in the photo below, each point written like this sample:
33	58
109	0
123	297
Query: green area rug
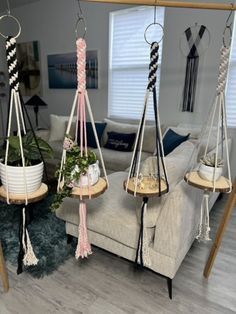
47	234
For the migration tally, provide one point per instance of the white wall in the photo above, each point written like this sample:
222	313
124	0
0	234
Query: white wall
52	24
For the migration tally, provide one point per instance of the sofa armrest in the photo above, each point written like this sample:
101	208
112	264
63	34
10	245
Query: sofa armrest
44	134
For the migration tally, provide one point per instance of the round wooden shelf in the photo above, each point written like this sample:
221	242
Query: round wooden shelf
18	199
146	191
222	185
95	190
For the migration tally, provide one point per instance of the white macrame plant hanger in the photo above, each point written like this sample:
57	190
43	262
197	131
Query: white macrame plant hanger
216	123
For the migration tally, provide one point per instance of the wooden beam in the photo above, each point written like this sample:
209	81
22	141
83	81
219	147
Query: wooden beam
173	4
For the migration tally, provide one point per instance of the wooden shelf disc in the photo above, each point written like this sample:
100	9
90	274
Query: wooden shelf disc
18	199
149	187
221	185
95	190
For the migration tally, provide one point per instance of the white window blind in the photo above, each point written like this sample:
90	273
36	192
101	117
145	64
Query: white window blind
231	86
129	57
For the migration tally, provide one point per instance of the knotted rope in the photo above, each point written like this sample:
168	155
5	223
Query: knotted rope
223	69
153	66
12	63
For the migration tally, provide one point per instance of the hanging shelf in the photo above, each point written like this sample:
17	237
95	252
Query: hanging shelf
92	192
19	199
147	188
222	185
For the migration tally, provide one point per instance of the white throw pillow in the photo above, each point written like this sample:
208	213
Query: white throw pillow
58	125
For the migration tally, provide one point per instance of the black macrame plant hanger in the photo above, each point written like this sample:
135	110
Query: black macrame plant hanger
191	72
156	184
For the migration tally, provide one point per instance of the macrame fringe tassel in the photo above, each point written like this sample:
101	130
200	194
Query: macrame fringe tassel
29	257
204	225
83	247
142	254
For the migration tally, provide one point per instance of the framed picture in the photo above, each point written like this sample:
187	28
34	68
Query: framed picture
29	68
62	70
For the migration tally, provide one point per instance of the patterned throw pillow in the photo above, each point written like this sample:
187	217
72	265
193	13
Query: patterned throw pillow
120	141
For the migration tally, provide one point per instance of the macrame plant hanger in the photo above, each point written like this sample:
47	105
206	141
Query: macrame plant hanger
16	104
157	183
81	102
216	122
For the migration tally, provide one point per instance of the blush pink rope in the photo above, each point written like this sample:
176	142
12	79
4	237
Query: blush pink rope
83	247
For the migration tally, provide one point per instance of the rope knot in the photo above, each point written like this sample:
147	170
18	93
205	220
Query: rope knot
223	69
12	63
81	64
152	77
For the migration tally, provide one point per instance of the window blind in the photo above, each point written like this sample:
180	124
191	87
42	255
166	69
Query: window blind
231	86
129	57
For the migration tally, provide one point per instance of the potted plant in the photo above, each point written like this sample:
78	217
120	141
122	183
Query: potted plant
207	169
79	170
12	174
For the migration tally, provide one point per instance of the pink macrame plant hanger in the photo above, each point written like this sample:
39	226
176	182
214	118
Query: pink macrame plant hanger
81	102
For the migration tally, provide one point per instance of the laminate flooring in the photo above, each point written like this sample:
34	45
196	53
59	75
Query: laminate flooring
107	284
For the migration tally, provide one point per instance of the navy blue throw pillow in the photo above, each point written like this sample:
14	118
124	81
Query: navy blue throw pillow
120	141
171	140
91	142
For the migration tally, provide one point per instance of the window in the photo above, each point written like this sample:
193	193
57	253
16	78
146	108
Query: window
129	60
231	86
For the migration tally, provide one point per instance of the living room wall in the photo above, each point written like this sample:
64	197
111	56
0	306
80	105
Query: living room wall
52	24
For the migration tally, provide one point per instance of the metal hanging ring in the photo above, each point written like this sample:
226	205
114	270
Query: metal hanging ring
227	30
80	19
16	20
145	33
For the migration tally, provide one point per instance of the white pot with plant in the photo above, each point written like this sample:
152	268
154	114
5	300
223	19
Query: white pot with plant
80	170
210	169
13	174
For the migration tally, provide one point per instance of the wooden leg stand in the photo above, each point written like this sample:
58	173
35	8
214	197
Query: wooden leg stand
231	203
3	271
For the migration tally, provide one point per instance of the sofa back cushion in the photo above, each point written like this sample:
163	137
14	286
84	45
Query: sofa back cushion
58	125
149	134
176	164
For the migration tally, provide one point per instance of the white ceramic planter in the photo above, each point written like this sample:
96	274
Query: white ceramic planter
207	172
91	178
34	175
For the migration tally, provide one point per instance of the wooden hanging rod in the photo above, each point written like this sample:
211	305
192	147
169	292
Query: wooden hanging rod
173	4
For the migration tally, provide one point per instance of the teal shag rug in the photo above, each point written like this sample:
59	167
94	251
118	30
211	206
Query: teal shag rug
47	235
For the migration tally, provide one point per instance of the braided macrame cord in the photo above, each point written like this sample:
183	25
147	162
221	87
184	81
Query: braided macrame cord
216	122
15	102
80	104
135	179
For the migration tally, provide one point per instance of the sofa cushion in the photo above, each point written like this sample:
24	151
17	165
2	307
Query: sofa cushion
149	134
120	141
57	128
117	161
171	140
176	165
112	214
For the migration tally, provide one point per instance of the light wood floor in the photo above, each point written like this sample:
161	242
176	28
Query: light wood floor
107	284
